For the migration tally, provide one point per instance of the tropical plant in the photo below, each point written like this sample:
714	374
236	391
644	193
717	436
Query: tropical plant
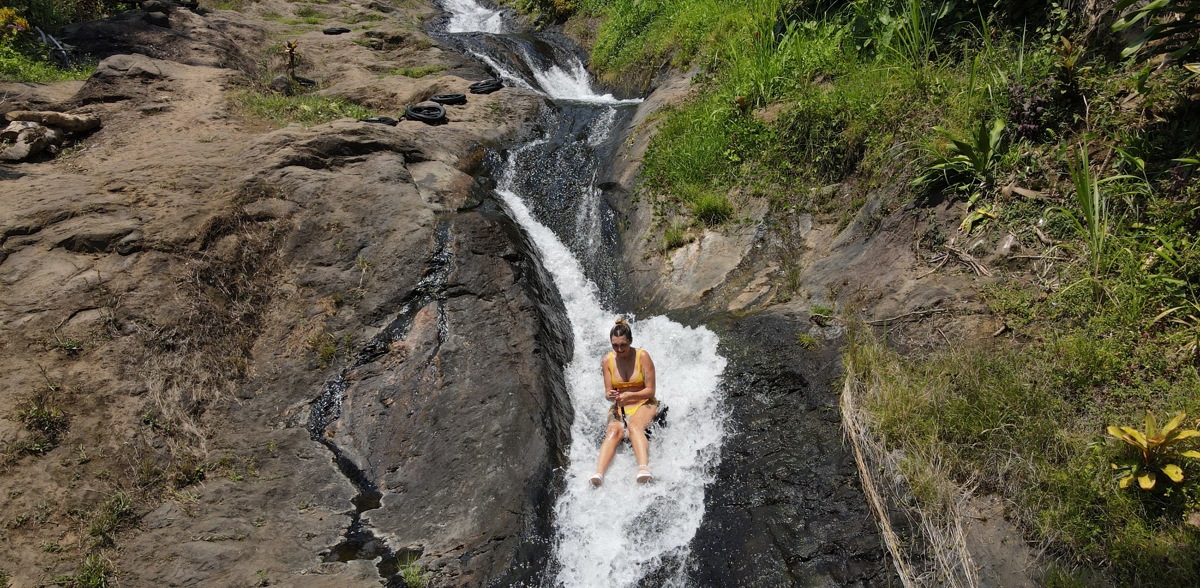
1093	220
1156	452
1170	26
914	37
968	161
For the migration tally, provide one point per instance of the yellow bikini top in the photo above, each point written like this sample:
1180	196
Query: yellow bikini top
639	380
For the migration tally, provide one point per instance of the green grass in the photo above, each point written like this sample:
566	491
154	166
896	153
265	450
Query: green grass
19	67
1026	423
1106	328
415	72
414	576
281	111
97	571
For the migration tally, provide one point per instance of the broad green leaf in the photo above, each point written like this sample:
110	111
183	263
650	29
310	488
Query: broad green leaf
1126	481
1192	67
1192	453
1180	436
1151	424
997	129
1137	436
1147	480
1173	471
1171	426
975	216
1119	434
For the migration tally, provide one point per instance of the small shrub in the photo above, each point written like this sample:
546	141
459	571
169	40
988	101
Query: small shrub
674	236
807	341
115	514
310	15
1156	452
968	161
41	415
97	571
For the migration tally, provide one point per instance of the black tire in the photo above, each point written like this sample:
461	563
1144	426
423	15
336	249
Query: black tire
382	120
430	114
336	31
486	86
449	98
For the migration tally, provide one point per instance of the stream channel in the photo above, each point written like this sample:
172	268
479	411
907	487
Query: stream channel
753	485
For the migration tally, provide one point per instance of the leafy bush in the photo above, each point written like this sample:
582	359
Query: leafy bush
23	58
1156	451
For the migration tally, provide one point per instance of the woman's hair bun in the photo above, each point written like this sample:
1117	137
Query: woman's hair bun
621	329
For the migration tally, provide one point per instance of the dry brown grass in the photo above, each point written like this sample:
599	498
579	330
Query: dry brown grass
907	488
196	360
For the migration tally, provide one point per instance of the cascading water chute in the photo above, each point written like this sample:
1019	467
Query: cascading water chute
623	532
466	16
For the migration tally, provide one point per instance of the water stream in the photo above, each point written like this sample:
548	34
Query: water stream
621	533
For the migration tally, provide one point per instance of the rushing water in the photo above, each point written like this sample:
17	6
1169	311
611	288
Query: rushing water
621	533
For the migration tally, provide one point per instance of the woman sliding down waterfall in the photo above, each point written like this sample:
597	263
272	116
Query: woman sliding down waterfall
629	384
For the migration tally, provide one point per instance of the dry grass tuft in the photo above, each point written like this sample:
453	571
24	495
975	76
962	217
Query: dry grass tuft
938	555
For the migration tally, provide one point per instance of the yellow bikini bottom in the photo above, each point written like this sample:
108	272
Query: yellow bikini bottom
632	408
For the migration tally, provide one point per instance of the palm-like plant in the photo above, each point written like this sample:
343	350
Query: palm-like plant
969	160
1169	26
1156	452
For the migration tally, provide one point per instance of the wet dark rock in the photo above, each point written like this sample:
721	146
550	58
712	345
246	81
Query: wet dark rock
786	508
465	458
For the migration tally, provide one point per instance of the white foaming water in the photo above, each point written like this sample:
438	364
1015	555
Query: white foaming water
616	534
571	84
468	17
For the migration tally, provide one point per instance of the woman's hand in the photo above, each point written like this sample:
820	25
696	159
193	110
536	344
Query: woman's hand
612	394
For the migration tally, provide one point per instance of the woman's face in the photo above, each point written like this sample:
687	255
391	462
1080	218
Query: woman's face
620	345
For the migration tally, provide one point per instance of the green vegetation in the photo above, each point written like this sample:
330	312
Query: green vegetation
22	57
280	110
1030	120
1154	449
44	419
415	72
414	576
97	571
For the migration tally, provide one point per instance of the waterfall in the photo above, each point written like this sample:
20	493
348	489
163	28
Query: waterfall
620	533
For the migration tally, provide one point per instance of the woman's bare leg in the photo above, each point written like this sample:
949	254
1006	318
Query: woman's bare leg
612	438
637	432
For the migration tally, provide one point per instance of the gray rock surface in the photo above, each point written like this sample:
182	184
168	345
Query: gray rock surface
189	282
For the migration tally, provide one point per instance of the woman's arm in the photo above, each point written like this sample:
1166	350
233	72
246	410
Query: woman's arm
610	392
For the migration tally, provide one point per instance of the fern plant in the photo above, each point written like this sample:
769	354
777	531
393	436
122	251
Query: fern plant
1156	452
